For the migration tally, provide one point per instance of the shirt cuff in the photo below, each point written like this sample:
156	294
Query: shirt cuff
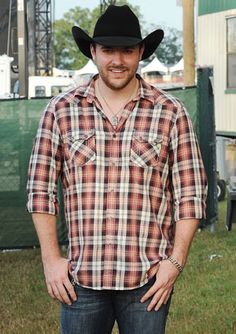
188	208
43	203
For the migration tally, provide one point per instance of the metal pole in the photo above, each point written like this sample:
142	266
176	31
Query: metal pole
188	42
53	35
22	48
9	29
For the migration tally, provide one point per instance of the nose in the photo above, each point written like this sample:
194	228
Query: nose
117	57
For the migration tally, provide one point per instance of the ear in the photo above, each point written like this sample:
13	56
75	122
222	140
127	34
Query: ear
93	51
141	50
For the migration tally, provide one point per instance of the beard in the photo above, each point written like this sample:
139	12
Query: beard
117	81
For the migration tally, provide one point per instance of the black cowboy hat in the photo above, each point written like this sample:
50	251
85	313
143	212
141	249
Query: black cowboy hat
117	26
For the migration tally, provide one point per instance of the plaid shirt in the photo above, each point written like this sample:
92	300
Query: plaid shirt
120	184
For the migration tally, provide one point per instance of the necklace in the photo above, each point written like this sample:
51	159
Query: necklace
115	118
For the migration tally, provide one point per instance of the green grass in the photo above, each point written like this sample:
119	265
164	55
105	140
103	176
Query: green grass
204	301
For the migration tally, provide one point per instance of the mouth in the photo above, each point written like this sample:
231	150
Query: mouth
116	70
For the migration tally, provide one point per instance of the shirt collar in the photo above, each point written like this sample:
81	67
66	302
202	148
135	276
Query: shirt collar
88	91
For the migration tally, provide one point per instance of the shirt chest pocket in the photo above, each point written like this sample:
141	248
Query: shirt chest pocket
81	147
145	150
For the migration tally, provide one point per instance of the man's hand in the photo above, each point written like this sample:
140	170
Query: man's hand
57	280
167	273
56	267
161	290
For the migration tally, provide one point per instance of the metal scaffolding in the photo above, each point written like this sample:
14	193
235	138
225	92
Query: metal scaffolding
44	12
105	3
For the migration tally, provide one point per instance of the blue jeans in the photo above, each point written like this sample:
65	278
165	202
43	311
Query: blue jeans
95	312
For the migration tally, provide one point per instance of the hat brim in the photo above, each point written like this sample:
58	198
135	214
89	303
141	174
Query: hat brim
151	42
83	41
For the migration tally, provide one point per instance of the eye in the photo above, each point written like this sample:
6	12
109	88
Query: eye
128	51
107	50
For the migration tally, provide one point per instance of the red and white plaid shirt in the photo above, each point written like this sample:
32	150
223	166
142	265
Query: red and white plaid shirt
120	184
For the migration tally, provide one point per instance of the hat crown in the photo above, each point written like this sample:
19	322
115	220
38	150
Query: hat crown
118	21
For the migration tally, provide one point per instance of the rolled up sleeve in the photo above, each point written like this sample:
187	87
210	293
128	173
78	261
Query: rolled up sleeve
188	174
45	165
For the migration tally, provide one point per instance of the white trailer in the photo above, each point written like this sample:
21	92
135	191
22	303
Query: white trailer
48	86
5	76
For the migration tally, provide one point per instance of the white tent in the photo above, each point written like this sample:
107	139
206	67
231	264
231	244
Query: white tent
57	72
89	68
178	67
154	66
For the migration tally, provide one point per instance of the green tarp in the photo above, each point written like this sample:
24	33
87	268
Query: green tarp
18	123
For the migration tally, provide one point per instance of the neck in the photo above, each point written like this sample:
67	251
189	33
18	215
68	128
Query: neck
118	94
113	101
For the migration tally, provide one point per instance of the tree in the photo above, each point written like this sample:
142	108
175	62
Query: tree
170	50
67	54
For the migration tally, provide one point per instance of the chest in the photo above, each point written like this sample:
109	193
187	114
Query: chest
141	137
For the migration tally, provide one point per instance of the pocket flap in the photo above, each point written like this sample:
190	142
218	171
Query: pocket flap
152	138
80	135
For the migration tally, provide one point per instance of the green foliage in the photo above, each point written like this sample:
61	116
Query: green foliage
170	50
67	54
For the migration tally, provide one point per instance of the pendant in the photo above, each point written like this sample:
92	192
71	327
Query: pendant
114	120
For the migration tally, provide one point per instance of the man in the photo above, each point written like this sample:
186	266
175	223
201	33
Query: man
129	161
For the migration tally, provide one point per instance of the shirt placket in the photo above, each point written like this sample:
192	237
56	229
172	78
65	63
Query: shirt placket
114	228
111	208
